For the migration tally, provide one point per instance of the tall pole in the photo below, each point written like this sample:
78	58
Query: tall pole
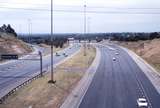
88	22
88	29
85	28
52	75
29	30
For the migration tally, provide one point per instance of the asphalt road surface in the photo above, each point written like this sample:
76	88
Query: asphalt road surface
118	84
14	73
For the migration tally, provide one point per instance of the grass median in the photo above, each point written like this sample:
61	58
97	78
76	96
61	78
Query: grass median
40	94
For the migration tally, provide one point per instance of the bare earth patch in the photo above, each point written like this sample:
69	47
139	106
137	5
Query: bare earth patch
10	44
40	94
150	52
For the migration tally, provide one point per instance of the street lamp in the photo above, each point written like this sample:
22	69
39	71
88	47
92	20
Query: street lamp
88	22
52	75
85	29
29	30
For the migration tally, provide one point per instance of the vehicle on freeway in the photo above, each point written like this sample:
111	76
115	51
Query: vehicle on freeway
65	55
114	59
57	54
142	103
117	53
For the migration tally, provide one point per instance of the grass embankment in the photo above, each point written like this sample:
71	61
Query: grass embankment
10	44
40	94
150	52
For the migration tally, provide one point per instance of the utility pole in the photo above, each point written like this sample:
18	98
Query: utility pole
88	22
85	29
29	30
88	29
52	74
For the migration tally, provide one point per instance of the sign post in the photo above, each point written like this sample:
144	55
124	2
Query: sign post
41	64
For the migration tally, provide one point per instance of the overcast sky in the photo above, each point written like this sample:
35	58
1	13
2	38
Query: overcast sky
103	15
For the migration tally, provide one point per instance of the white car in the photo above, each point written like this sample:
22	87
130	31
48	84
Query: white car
114	59
117	53
142	102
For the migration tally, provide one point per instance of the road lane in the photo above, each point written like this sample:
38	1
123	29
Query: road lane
14	76
145	84
117	84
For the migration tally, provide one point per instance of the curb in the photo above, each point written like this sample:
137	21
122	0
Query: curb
76	96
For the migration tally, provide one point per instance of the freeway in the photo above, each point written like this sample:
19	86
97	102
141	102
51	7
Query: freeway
119	83
14	73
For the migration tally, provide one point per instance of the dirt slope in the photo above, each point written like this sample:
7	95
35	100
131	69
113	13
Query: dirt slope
10	44
150	52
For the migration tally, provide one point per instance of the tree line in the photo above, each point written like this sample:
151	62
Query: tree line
8	29
57	41
133	36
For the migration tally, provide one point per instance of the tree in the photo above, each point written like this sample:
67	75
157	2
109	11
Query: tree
154	35
3	28
8	29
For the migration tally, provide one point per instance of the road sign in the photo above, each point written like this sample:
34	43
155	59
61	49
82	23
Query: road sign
9	56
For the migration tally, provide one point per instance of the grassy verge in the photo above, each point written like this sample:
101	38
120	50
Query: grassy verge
150	51
40	94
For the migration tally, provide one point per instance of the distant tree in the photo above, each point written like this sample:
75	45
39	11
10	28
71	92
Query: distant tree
8	29
154	35
3	28
98	39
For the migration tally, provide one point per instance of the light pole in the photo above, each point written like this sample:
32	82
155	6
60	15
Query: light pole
88	22
88	29
85	29
52	75
29	30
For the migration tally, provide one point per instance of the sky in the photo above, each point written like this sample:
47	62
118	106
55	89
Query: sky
102	15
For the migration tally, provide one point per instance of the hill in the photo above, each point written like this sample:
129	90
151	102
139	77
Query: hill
149	50
10	44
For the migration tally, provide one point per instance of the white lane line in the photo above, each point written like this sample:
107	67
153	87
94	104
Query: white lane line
142	90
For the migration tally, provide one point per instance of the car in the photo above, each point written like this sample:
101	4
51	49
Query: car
117	53
142	102
57	54
65	55
114	59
